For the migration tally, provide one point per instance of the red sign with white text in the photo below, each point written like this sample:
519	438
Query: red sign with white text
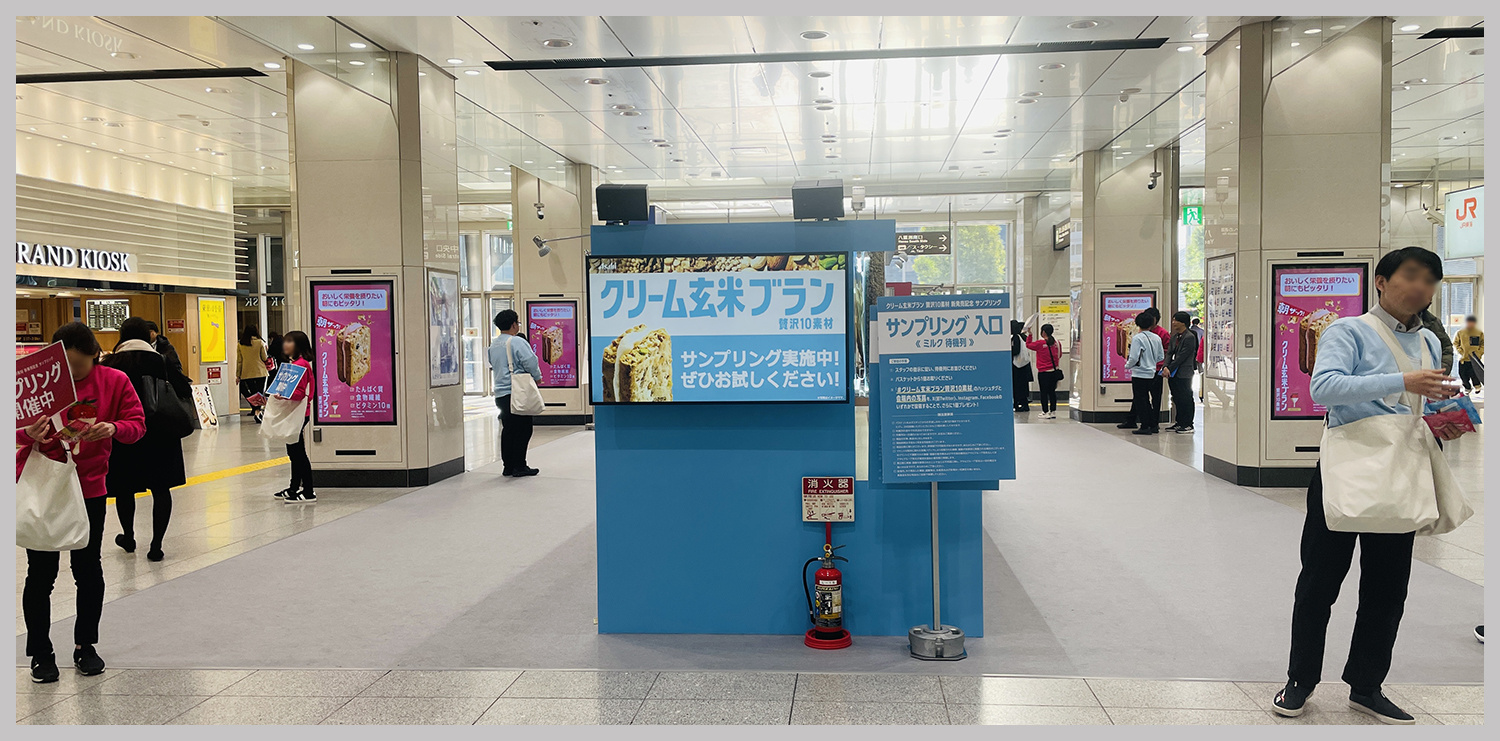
44	385
828	499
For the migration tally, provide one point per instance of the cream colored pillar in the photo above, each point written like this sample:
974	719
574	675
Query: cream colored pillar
1297	173
375	197
1044	268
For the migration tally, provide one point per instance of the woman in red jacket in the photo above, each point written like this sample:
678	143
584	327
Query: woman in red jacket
107	403
1048	370
298	351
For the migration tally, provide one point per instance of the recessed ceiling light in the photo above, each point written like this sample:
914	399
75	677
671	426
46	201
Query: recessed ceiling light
1296	44
200	149
471	72
676	159
1227	169
825	107
1449	138
455	61
1399	185
1312	31
357	45
989	151
1410	27
1477	53
306	47
1337	28
1200	36
630	113
557	43
1025	101
663	146
595	81
357	63
1002	131
526	162
1053	65
1185	48
64	136
1032	94
814	35
623	107
1001	136
823	101
122	55
1125	153
1083	25
220	90
271	65
820	74
562	162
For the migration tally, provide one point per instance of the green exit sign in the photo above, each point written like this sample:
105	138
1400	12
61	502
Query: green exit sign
1192	215
507	225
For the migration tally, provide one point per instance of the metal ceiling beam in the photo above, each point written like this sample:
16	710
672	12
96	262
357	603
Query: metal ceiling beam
1474	32
1048	47
139	74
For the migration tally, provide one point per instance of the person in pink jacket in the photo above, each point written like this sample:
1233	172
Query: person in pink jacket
1048	369
108	405
298	350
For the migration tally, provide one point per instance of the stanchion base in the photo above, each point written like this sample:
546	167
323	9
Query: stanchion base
842	641
944	644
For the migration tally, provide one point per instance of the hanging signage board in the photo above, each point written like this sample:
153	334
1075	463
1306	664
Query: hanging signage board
1464	223
105	314
944	399
828	499
1219	316
1192	216
924	243
1062	235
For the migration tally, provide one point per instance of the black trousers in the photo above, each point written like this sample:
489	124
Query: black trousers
161	513
88	576
301	466
1157	382
1021	381
250	387
1047	382
1141	411
1182	397
1472	374
515	435
1384	570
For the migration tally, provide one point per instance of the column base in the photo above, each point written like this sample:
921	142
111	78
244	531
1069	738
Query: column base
353	478
1292	478
1082	415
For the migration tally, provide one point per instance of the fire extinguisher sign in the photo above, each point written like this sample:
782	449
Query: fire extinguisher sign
828	499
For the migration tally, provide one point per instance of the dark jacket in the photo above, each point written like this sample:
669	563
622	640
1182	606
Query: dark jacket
169	353
1430	321
155	461
1182	353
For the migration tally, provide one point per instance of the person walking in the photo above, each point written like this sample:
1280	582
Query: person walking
1357	376
164	347
506	351
1146	354
109	407
153	463
1048	354
250	368
1020	367
1469	342
298	351
1182	361
274	352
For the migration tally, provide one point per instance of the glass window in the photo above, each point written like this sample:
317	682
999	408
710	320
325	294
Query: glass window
247	265
983	253
275	265
470	263
1190	252
474	346
921	270
502	263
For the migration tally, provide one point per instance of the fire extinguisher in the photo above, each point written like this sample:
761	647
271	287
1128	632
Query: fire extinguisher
827	612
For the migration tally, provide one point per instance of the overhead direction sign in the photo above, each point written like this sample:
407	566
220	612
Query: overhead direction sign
924	243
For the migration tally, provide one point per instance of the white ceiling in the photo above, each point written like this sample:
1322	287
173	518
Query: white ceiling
921	124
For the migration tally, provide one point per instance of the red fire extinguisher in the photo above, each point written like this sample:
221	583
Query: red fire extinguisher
827	612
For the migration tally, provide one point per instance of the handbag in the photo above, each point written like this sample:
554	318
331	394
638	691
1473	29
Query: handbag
283	419
166	412
1387	473
525	397
50	515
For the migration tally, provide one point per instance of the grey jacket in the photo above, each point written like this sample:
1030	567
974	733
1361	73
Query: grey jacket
1182	353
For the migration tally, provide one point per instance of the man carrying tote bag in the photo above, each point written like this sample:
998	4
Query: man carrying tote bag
1380	481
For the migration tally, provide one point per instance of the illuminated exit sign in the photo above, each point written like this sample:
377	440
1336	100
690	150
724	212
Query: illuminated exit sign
1192	215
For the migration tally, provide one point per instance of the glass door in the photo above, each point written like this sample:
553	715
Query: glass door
476	374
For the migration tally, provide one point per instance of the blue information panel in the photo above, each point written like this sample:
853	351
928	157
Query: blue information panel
288	375
945	396
716	329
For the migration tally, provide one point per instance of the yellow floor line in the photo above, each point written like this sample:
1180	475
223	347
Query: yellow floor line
226	473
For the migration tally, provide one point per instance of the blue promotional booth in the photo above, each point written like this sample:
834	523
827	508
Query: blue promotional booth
700	524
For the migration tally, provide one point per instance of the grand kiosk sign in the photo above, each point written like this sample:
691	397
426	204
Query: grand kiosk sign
58	256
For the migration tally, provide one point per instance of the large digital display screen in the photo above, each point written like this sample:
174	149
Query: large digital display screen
1117	312
552	328
1305	300
354	344
718	329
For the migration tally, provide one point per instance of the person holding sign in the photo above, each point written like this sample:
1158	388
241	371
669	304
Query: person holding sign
107	410
294	381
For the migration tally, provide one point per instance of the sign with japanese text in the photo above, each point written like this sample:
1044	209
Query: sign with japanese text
552	328
1057	312
1218	359
722	328
945	410
828	499
1117	312
215	374
354	342
211	331
105	314
28	331
1062	235
44	385
1305	300
1464	223
176	325
924	243
284	383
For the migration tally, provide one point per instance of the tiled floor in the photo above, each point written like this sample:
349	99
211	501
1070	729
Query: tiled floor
229	697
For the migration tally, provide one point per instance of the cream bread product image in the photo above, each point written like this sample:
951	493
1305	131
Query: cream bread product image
638	366
1309	331
353	351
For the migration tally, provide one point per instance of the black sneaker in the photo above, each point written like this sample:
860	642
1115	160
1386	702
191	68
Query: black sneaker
87	661
300	497
1144	431
1291	701
44	669
126	544
1183	430
526	472
1125	426
282	494
1381	708
1479	633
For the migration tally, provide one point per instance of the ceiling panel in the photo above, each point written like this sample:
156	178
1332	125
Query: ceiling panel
520	37
784	34
1037	29
911	32
1454	102
656	36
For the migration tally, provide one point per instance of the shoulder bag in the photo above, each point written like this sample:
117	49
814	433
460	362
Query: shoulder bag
50	515
166	412
1387	473
283	419
525	397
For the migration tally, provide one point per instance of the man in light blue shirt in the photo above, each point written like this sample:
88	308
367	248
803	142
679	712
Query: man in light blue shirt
1355	376
1145	352
515	429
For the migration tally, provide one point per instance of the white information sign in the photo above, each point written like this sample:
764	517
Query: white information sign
1219	358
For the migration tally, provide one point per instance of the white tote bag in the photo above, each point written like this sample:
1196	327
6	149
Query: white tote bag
525	397
50	515
1387	474
283	420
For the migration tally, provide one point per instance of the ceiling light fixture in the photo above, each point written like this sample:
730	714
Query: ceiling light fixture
1052	66
357	45
823	101
1410	27
820	74
623	107
1032	94
122	55
1312	31
1477	53
1001	136
1337	28
630	113
1083	25
306	47
357	63
1185	48
455	61
557	43
1200	36
595	81
1296	44
271	65
1026	101
988	151
814	35
471	72
825	107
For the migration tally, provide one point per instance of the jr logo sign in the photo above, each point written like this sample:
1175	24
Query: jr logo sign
1468	209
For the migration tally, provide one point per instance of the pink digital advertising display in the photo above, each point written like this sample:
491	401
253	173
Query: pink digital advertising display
1117	312
552	328
354	343
1306	300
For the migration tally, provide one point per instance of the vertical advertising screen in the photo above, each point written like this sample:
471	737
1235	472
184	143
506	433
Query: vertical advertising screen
211	331
1306	299
552	328
718	329
354	345
1117	311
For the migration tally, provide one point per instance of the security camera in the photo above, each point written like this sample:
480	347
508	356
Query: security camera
1151	185
1436	217
539	214
1124	97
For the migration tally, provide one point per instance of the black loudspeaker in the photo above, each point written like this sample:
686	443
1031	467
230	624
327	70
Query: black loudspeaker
619	204
818	199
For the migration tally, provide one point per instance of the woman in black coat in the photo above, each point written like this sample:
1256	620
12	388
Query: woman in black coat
155	462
